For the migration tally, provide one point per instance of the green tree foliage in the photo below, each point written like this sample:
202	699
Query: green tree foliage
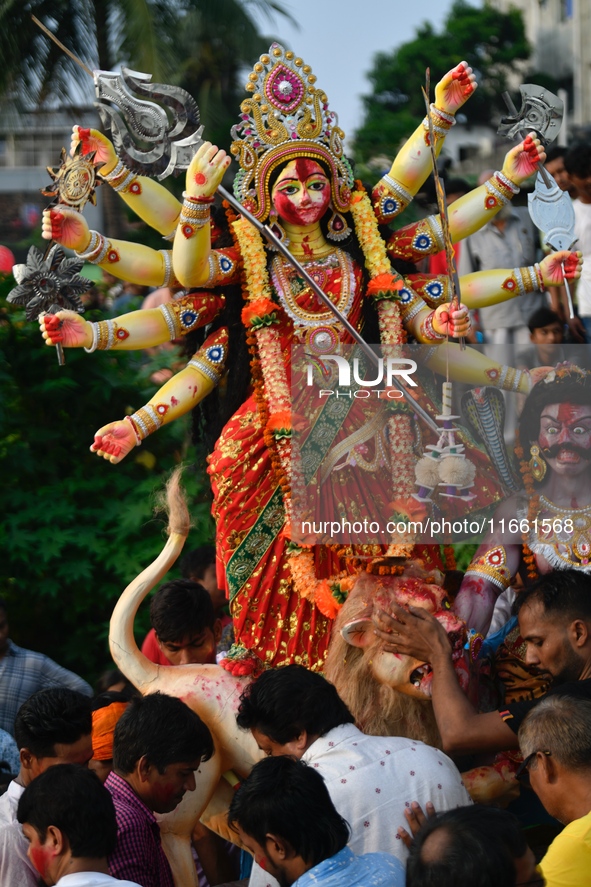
492	42
74	528
217	43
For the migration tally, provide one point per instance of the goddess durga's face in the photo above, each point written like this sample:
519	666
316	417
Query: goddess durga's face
565	437
301	194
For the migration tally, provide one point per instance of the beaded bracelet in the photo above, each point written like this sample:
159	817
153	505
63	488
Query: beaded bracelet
146	421
428	330
94	328
97	249
121	179
138	440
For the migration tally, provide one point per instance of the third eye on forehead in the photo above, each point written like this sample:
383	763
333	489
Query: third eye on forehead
301	169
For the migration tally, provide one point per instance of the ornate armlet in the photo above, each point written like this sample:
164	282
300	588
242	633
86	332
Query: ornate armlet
98	250
105	335
428	331
442	123
415	241
195	213
492	566
146	421
210	360
390	198
506	378
190	312
524	280
500	190
123	180
169	277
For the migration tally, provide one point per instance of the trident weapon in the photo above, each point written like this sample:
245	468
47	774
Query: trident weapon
550	209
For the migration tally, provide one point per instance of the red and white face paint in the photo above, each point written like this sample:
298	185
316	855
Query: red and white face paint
565	437
301	194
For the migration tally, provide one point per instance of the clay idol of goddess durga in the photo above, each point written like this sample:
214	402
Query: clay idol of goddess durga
293	174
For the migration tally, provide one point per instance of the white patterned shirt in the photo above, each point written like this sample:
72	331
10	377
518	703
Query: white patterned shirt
371	779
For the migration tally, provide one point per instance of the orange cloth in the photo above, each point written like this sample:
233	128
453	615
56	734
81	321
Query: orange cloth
103	728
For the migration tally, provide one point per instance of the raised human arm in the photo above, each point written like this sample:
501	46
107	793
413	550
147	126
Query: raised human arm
462	729
484	288
412	164
149	200
192	242
179	395
130	332
129	261
473	210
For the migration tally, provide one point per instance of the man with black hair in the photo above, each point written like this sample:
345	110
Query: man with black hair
158	744
294	711
284	815
546	334
184	625
554	617
577	163
472	845
52	727
554	164
69	822
199	564
24	672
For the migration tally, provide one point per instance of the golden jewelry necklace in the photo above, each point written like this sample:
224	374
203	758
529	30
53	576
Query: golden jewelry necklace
289	287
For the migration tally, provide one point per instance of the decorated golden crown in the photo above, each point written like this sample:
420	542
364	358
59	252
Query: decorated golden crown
286	117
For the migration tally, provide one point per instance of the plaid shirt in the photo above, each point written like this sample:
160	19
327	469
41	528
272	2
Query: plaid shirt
138	855
22	673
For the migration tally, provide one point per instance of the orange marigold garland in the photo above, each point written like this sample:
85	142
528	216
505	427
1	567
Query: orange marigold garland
384	287
261	317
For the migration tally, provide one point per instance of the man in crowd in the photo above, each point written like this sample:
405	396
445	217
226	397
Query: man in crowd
555	623
184	626
23	672
52	727
294	711
159	743
546	334
509	240
472	845
284	815
554	164
577	163
69	822
555	741
199	564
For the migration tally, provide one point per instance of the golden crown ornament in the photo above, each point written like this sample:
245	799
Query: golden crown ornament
286	117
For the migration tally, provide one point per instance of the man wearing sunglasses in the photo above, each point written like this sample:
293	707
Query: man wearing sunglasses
555	739
555	623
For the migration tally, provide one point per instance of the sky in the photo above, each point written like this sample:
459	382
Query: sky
339	38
